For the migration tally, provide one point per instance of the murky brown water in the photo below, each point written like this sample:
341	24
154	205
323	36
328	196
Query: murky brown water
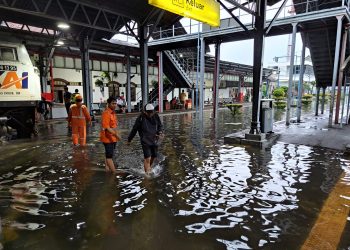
204	195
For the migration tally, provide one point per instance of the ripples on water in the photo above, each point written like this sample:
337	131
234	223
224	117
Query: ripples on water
204	195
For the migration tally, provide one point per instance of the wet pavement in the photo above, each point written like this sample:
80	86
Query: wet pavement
203	194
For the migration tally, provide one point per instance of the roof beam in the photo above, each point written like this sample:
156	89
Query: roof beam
64	17
242	7
233	16
275	17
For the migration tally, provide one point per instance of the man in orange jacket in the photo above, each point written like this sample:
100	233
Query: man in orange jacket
109	134
77	118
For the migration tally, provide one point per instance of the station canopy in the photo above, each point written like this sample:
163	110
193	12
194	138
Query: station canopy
36	21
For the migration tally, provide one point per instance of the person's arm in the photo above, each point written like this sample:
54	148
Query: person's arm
135	129
160	125
70	116
86	114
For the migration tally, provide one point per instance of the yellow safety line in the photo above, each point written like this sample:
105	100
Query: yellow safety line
330	224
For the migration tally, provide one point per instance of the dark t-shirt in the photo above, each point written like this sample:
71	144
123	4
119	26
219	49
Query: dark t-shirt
67	96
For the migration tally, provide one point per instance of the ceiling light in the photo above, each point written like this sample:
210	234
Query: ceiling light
63	26
59	42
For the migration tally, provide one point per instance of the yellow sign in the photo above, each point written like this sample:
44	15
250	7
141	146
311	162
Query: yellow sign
206	11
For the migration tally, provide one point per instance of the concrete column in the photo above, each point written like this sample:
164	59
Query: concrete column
216	80
144	63
301	83
341	75
259	39
197	76
87	88
335	69
202	70
290	82
323	99
317	99
128	82
160	81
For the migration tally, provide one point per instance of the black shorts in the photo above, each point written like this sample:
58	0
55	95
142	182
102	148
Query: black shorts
109	148
149	151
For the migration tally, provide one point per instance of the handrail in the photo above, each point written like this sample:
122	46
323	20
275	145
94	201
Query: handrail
310	6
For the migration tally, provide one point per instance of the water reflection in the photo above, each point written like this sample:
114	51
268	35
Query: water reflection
206	195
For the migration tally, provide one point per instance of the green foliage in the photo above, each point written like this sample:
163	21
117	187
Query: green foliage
235	108
154	83
285	89
105	76
280	104
99	83
166	81
278	93
307	96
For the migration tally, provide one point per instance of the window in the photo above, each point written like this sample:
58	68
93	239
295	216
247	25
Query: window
8	54
96	65
104	66
77	63
112	67
69	62
59	61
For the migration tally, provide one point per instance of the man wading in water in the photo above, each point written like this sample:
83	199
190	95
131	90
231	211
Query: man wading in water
150	130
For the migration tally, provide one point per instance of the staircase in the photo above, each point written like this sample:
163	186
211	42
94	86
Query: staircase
320	39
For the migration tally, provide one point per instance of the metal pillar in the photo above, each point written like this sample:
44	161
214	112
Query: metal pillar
347	112
160	81
144	63
335	69
259	39
291	69
239	87
216	80
87	89
318	89
43	81
343	106
323	99
202	69
128	82
341	75
197	76
301	82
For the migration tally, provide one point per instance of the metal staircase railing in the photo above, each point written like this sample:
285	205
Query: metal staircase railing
181	67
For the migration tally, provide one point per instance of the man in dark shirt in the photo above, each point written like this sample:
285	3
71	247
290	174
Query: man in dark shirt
67	96
150	130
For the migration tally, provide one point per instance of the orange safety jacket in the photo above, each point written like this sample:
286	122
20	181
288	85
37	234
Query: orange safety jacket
108	120
78	115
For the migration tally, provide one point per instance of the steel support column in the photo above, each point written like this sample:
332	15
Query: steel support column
335	69
301	82
201	85
323	100
160	81
87	89
216	80
318	89
344	100
291	69
348	108
128	82
340	75
259	39
144	63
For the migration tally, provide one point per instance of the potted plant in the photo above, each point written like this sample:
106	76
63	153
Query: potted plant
278	95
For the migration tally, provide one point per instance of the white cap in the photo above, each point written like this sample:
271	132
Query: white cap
149	107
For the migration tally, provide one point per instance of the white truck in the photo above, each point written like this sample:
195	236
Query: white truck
19	88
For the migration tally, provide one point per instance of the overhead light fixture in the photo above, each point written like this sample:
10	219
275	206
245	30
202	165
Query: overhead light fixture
63	26
60	42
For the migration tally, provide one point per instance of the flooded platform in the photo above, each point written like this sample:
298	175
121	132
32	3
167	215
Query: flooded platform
204	194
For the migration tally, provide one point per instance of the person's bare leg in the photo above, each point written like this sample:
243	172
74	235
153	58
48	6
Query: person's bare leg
106	165
110	164
147	165
151	162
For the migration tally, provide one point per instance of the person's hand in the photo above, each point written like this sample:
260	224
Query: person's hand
90	123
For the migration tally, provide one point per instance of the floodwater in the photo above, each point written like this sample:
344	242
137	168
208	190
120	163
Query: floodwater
202	195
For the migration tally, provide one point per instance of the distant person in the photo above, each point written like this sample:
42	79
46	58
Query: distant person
42	109
67	98
121	104
73	96
109	135
77	118
150	130
183	97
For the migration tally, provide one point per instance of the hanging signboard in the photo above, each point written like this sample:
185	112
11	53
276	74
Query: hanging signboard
206	11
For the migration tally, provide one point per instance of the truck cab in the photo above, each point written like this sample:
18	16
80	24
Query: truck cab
19	88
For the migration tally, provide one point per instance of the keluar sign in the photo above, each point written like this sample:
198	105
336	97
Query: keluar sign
206	11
